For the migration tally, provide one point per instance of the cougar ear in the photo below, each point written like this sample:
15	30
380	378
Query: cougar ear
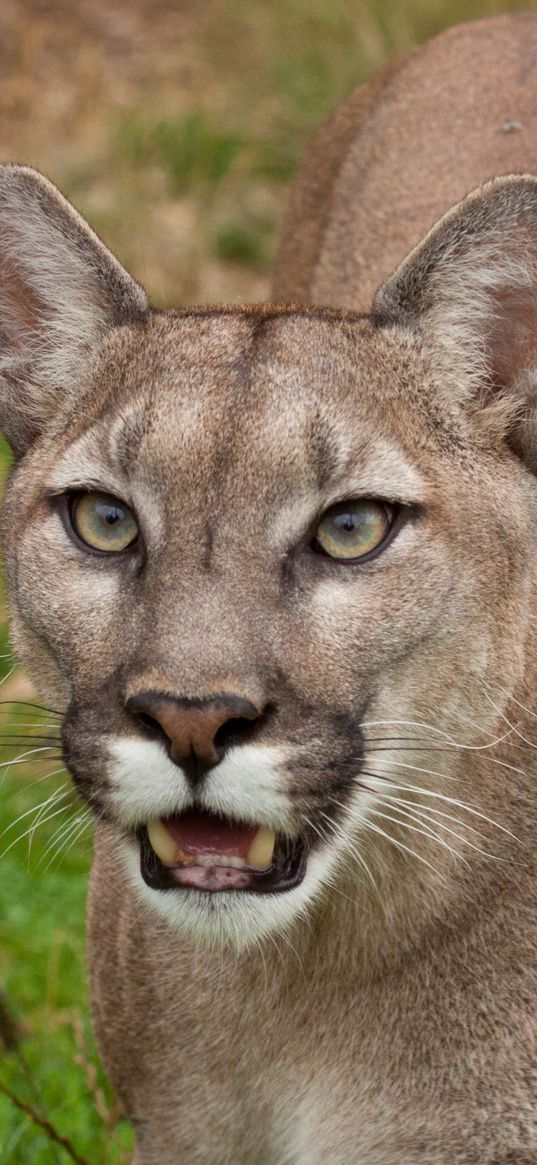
60	291
471	288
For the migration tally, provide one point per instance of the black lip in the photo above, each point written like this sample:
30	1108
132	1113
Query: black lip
286	872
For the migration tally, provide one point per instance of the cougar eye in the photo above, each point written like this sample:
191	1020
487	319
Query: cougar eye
103	522
351	530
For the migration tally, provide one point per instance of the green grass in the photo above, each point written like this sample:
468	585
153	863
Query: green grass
186	177
54	1066
192	150
47	1053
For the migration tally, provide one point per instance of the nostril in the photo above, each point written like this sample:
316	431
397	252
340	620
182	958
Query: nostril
151	724
238	728
196	733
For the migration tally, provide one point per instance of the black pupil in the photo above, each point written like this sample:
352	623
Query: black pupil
110	515
347	522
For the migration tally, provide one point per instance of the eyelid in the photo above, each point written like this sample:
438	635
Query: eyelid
384	497
91	487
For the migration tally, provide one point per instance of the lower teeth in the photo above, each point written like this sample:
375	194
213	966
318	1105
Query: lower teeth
216	860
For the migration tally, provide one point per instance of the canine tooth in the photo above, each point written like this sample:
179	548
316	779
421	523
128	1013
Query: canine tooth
262	848
162	843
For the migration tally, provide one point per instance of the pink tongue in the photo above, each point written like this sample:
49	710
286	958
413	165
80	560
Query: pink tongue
202	833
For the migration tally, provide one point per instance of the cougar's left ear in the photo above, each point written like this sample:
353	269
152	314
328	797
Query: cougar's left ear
60	291
471	288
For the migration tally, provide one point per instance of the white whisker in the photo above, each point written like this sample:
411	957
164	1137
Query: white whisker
428	810
422	817
400	845
444	776
34	808
442	732
425	831
77	825
512	727
44	821
441	797
359	857
62	830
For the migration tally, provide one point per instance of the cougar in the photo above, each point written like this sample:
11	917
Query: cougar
276	568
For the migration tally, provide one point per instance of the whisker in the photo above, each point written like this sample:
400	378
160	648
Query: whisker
29	704
33	809
285	938
316	829
358	856
442	797
426	832
422	817
364	820
62	809
387	745
9	673
427	810
26	756
524	709
346	863
37	781
27	759
54	799
259	947
400	845
442	732
63	833
18	741
445	776
63	850
512	727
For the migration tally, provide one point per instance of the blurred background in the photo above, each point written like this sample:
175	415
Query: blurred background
176	129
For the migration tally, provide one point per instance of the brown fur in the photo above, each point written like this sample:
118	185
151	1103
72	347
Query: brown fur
401	150
389	1015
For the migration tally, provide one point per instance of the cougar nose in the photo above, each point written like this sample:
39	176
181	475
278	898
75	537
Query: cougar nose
197	733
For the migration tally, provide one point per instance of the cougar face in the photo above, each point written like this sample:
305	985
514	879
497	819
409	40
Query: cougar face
248	552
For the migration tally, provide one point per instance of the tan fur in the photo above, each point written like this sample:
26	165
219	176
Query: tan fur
384	1010
401	150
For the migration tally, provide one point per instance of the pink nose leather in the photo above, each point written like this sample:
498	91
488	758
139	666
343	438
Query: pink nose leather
191	727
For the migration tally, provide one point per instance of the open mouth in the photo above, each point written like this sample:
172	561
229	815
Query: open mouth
202	851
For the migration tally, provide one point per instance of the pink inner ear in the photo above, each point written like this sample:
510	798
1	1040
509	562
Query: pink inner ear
511	341
24	311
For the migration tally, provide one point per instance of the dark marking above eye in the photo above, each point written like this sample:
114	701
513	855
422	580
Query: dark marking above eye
208	548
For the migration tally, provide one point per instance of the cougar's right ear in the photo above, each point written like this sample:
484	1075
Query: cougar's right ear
469	290
60	292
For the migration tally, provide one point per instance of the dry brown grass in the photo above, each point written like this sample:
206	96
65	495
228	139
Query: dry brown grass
124	103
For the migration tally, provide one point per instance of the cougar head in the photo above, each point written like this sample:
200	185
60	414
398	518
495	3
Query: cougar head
255	554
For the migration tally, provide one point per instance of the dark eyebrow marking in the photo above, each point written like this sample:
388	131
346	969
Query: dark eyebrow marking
126	444
208	548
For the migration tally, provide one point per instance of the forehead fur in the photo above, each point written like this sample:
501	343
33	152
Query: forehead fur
291	393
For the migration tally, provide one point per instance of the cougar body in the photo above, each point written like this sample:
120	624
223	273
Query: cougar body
400	151
382	1009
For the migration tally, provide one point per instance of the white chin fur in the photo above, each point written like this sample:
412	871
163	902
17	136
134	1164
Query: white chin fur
234	918
249	784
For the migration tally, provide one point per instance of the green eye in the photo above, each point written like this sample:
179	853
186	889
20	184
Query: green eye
103	522
351	530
